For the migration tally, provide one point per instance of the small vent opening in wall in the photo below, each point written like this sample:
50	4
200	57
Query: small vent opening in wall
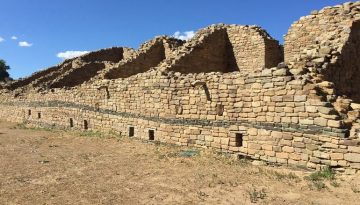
71	122
29	112
151	135
238	140
86	125
219	109
131	131
39	115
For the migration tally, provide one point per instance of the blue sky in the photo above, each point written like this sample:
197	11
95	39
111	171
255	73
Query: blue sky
44	28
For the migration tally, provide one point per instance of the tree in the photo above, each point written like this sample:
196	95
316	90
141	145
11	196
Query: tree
4	70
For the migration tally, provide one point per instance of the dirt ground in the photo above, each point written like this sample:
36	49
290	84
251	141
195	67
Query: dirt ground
58	167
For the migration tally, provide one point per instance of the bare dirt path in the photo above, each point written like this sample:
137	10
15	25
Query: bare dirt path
56	167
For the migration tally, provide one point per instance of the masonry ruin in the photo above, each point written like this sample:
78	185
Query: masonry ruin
227	89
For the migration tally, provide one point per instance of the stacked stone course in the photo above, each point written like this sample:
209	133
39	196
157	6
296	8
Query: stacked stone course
225	89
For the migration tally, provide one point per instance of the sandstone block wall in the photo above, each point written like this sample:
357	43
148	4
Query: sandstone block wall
224	89
325	43
253	47
225	48
150	55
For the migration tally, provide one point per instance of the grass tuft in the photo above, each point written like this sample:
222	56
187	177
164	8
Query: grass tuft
255	195
317	178
326	173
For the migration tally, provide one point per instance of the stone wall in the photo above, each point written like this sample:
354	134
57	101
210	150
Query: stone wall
114	54
37	75
227	48
225	89
77	76
267	115
325	43
253	47
149	55
212	52
72	69
345	72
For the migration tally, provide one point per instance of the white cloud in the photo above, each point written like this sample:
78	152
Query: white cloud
184	35
71	54
14	37
2	39
25	44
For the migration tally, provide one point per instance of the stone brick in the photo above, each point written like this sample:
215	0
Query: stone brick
324	139
351	142
299	144
252	131
304	157
286	142
355	165
352	157
330	145
336	156
354	149
334	123
277	98
294	156
287	136
320	121
315	160
254	146
306	121
209	138
321	155
282	155
311	109
281	161
267	147
326	110
276	134
343	163
288	149
300	98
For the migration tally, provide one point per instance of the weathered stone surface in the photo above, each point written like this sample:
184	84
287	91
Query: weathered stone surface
354	149
335	123
320	121
352	157
355	106
337	156
321	155
288	149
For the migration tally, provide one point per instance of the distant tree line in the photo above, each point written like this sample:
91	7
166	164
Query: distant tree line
4	75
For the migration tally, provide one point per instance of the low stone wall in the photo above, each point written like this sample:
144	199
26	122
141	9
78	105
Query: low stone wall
270	142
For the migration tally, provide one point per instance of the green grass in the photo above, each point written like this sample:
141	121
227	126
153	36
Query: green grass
326	173
317	178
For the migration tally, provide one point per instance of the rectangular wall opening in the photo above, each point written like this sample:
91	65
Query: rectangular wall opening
86	125
238	140
151	135
71	122
39	115
29	112
131	131
219	109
